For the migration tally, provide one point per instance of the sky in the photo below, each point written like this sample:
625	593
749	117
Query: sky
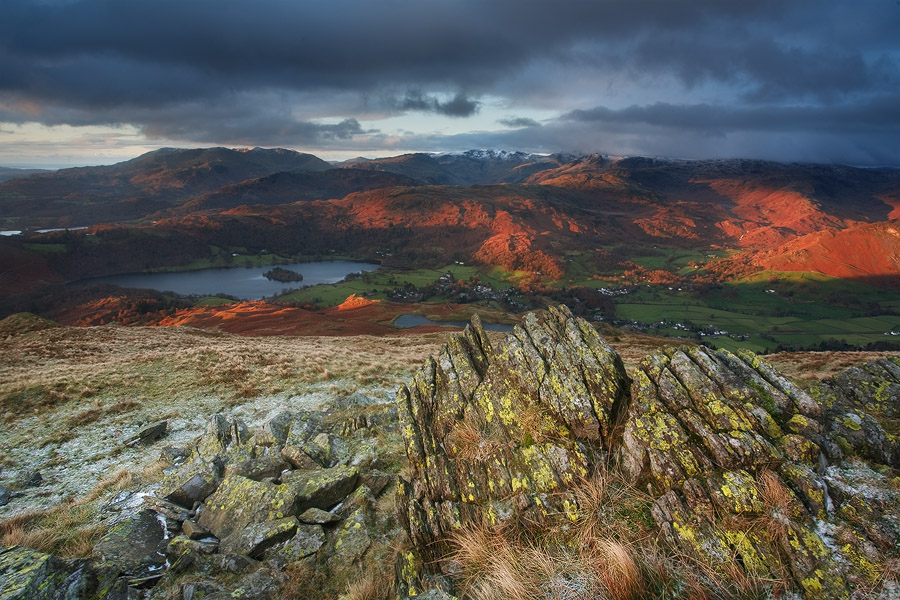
98	81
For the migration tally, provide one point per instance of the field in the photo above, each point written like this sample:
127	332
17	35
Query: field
378	284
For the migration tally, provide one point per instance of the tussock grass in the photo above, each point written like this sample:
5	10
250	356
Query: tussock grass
611	552
68	529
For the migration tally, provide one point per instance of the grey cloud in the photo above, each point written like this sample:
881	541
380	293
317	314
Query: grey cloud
707	68
878	114
519	122
458	106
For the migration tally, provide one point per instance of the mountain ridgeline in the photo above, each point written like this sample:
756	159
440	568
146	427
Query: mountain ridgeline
538	215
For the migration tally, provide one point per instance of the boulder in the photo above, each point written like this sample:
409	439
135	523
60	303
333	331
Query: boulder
193	530
239	501
258	468
135	546
191	482
321	488
349	545
306	542
501	433
256	538
318	516
27	574
148	434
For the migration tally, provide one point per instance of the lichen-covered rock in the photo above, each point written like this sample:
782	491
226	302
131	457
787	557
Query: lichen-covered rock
306	542
349	544
502	432
148	434
256	538
27	574
862	405
135	546
318	516
321	488
240	501
257	468
744	468
191	482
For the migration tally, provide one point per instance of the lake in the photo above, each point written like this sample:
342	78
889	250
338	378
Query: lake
416	320
246	283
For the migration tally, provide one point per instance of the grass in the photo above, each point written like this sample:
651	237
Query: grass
70	396
68	529
611	552
791	309
378	284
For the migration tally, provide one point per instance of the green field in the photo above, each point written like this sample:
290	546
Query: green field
770	310
378	284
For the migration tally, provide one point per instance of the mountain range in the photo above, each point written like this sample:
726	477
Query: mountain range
523	212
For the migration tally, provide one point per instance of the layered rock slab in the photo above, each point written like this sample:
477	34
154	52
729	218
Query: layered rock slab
742	466
496	433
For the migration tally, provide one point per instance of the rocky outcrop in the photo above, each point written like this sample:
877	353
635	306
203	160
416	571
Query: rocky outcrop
727	446
496	432
230	516
744	469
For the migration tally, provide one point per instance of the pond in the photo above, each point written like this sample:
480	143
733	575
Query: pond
416	320
246	283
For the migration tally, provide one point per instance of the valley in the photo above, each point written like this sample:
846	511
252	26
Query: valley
733	254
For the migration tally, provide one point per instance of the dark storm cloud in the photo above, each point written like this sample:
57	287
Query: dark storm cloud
708	67
458	106
519	122
877	115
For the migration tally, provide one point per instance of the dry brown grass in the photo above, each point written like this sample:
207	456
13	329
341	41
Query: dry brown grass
470	441
67	529
301	581
64	530
818	365
611	552
370	586
780	505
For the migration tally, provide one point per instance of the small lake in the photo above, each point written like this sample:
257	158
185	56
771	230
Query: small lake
246	283
416	320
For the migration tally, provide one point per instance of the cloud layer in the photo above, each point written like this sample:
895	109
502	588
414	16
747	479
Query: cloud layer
796	80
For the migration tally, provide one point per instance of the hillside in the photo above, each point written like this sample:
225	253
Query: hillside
137	188
7	173
746	254
283	467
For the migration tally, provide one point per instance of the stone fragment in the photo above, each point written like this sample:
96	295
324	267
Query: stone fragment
306	542
318	516
148	434
257	468
29	479
297	458
181	544
377	481
256	538
174	455
194	531
135	546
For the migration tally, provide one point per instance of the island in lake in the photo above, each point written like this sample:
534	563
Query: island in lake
283	275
